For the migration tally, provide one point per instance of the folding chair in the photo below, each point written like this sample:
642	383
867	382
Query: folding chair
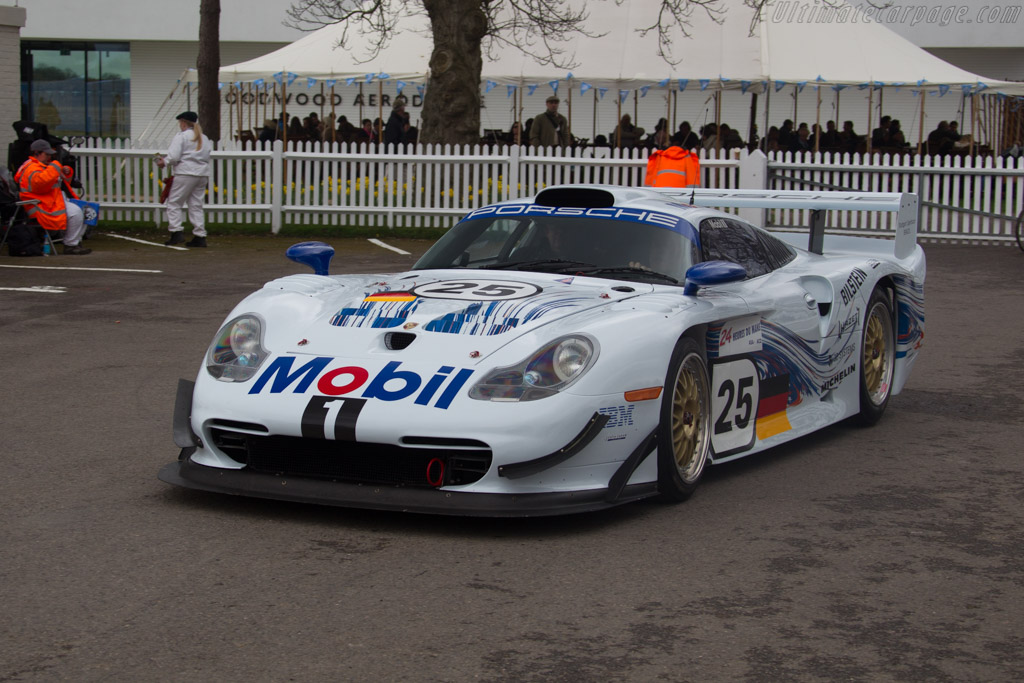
11	210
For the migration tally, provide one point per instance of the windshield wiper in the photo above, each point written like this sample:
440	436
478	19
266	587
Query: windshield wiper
555	264
629	270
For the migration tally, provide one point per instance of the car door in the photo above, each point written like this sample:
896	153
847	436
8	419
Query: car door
763	365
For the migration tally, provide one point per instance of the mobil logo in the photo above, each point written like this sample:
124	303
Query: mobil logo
390	383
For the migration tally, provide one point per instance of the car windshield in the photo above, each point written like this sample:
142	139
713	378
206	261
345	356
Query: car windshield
617	244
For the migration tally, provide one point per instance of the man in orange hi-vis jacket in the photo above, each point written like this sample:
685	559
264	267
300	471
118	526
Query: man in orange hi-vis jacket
673	167
40	178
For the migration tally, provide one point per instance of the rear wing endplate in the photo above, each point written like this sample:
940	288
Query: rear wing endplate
818	203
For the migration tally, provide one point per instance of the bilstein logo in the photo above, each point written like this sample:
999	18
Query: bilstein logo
853	285
389	384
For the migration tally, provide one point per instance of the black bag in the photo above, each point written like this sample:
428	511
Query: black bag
25	239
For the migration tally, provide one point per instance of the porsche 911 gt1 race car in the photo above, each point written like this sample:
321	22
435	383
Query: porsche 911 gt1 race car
590	346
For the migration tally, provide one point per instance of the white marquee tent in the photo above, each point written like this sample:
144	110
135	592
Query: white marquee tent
835	47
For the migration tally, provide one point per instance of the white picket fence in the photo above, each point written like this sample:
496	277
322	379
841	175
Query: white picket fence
426	186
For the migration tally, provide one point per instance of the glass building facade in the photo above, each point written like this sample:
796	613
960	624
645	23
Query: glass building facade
77	88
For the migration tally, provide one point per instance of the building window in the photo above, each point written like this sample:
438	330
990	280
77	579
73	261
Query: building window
77	88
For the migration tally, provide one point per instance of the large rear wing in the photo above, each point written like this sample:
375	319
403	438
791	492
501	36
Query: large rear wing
818	203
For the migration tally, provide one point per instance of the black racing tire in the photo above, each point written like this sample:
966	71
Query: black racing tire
684	431
878	357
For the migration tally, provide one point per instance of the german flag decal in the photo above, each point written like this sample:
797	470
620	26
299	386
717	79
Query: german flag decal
771	407
391	296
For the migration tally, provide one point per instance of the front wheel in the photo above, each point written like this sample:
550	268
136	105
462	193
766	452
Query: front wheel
684	431
878	357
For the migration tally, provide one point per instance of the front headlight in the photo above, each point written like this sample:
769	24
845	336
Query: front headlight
237	351
553	368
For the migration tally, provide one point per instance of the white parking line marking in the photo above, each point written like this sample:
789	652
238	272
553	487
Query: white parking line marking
44	289
134	239
388	246
108	270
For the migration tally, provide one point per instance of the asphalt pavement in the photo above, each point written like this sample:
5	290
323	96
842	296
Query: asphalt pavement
892	553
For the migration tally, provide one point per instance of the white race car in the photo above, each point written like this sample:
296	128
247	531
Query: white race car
587	347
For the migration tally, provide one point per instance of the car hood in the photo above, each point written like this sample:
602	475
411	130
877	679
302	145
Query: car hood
448	309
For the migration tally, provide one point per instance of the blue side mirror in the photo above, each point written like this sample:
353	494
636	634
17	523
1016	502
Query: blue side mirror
316	255
712	273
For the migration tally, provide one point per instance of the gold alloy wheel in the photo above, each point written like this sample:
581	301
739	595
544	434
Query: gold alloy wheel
690	418
877	354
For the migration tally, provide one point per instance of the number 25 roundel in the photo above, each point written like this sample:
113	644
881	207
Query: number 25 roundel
734	398
476	290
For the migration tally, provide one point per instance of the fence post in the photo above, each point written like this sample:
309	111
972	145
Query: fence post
753	176
512	180
276	186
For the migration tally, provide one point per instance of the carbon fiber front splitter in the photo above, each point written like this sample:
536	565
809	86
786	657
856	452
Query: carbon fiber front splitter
429	501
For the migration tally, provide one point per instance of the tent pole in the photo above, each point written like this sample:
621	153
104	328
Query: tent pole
522	124
675	110
618	123
321	102
568	100
241	117
252	105
231	113
920	127
838	125
718	120
284	108
752	125
817	134
871	105
334	118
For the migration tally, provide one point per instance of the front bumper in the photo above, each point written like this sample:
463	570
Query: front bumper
241	482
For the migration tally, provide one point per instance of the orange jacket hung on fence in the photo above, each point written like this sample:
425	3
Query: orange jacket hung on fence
37	180
673	167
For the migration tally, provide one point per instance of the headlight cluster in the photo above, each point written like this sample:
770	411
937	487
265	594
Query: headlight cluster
237	351
551	369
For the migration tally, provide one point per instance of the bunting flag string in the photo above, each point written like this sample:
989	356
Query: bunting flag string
258	82
779	85
800	86
683	82
623	94
704	82
568	76
585	87
838	87
350	81
331	83
643	90
531	88
220	86
662	83
400	86
510	90
943	89
310	82
554	86
421	89
744	85
489	85
601	92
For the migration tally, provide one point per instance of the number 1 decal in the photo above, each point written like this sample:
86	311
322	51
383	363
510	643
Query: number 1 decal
331	417
734	396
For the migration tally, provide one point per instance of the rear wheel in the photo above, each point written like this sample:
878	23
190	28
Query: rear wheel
684	431
878	357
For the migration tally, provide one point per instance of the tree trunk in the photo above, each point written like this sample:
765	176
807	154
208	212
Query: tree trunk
207	67
451	104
